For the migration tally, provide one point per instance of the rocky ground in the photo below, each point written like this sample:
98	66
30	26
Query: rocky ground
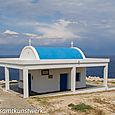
97	81
14	101
102	103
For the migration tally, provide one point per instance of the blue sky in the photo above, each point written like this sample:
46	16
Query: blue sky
89	23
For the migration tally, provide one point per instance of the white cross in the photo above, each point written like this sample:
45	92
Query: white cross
71	44
30	42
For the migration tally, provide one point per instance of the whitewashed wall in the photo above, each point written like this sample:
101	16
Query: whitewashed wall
82	82
29	53
41	83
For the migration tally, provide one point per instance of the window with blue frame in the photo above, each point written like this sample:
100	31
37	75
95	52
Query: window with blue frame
78	76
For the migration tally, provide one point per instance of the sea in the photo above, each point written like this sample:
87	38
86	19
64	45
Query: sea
95	71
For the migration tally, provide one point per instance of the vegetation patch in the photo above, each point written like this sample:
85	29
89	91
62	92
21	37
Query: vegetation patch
113	82
80	107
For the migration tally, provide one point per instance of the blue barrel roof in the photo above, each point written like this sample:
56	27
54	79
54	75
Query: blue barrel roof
58	53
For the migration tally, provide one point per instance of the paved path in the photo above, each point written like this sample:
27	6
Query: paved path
79	91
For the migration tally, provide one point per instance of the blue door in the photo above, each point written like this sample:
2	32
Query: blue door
29	82
63	82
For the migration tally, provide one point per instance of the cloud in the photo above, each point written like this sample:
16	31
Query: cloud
21	39
30	35
90	20
9	32
60	29
55	29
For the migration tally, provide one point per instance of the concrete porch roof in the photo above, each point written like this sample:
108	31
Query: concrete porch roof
54	63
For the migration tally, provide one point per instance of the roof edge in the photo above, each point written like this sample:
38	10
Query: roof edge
83	55
33	49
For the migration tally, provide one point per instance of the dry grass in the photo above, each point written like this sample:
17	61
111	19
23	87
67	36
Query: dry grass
42	101
102	103
105	103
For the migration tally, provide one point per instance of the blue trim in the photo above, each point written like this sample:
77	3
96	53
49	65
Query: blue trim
58	53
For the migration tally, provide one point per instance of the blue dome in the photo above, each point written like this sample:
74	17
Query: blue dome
58	53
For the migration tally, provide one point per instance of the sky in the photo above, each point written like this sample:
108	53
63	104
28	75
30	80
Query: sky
90	24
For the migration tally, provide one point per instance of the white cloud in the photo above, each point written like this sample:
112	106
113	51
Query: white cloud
55	29
30	35
59	29
9	32
16	34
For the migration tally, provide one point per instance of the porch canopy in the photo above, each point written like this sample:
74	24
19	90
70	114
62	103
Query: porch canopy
32	64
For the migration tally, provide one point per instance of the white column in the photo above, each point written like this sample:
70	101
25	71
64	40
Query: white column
73	79
105	76
7	87
25	83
